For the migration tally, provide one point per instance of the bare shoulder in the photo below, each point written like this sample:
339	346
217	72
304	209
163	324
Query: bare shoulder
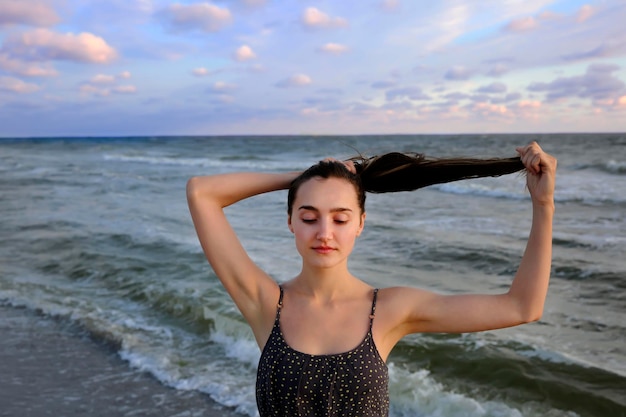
397	315
402	300
402	307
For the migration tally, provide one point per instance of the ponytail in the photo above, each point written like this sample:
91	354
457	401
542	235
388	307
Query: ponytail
397	171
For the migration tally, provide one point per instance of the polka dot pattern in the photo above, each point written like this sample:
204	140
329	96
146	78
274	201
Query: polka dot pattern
292	383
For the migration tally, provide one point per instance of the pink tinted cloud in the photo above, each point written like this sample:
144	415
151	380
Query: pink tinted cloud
15	85
31	12
316	19
45	45
125	89
522	24
103	79
333	48
244	53
205	17
25	68
390	5
200	72
296	80
584	13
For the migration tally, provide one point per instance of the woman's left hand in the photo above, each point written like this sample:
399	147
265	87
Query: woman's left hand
541	172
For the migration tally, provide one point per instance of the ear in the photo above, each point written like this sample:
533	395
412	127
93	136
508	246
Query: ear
362	225
289	223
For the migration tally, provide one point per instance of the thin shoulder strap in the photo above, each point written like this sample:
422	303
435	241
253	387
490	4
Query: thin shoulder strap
279	306
373	312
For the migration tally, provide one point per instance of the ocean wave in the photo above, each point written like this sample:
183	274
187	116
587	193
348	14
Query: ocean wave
611	166
590	273
587	194
482	189
417	393
616	167
232	163
572	186
473	365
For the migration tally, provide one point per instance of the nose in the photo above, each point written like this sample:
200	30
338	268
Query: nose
324	233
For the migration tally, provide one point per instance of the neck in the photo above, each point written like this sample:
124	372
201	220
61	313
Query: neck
325	283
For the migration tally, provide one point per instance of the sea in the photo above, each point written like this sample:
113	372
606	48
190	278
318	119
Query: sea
95	232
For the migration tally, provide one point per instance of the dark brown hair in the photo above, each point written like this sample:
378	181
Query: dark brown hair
395	171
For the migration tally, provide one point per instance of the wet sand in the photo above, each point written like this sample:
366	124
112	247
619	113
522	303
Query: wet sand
50	369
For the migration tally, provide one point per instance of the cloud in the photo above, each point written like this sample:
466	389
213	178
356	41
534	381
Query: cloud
297	80
205	17
333	48
522	24
529	104
458	73
456	96
507	98
106	91
390	5
200	72
412	93
253	3
598	83
222	87
383	84
584	13
498	70
492	88
244	53
15	85
45	45
109	79
32	12
104	84
125	89
486	109
91	89
103	79
602	51
315	19
27	69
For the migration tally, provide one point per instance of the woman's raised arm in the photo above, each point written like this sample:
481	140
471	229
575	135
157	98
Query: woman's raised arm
414	310
252	290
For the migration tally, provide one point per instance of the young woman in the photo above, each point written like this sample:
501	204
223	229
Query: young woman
325	334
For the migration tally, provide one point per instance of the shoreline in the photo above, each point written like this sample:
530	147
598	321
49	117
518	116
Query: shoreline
49	368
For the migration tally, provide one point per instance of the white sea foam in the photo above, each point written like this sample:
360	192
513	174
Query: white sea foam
617	167
418	394
206	162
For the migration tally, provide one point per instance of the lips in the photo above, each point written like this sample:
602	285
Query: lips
323	249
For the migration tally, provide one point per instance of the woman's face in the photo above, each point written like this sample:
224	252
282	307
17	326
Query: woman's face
326	219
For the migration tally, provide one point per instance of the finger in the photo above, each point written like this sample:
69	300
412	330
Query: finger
350	166
531	157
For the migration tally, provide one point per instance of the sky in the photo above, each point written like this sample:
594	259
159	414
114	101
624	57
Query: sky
278	67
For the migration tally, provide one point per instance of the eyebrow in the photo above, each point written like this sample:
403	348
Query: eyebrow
333	210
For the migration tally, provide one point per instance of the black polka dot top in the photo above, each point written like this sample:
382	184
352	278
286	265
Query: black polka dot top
291	383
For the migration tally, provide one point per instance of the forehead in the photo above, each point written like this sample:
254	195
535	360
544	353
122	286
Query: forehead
327	193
